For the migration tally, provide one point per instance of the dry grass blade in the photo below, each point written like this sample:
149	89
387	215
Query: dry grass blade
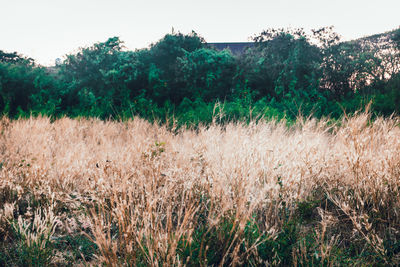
220	195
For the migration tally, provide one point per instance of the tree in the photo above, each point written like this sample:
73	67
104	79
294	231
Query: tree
283	63
17	84
14	57
86	77
207	74
358	65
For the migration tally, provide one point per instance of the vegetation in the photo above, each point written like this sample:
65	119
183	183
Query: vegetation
96	168
134	193
180	78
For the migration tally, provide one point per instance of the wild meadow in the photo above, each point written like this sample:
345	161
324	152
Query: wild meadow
89	192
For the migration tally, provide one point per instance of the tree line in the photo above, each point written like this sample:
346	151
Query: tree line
286	72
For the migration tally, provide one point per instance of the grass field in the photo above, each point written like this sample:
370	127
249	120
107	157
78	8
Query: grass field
90	192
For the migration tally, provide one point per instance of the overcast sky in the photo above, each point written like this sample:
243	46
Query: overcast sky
47	29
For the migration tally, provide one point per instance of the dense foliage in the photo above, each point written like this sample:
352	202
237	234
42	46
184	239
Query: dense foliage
181	77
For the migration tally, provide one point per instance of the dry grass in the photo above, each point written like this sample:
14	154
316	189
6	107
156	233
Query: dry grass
146	195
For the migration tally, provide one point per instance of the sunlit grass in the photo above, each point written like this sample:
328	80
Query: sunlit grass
135	193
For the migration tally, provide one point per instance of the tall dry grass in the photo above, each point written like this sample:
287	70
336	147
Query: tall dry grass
147	195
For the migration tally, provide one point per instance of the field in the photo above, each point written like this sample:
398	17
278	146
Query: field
90	192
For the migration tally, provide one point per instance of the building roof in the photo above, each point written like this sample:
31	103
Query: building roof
237	48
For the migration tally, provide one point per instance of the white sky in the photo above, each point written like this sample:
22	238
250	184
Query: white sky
47	29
